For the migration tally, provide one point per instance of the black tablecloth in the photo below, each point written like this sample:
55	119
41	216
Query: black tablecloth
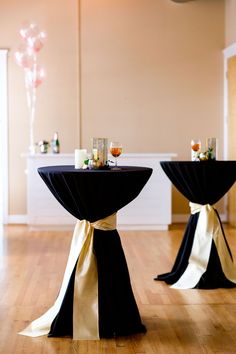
202	182
93	195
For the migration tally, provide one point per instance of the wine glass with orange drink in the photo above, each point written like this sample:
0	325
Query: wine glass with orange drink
115	150
195	149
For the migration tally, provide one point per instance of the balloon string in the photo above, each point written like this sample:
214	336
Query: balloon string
31	101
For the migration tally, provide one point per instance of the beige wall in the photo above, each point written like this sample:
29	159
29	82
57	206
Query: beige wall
151	76
57	97
152	72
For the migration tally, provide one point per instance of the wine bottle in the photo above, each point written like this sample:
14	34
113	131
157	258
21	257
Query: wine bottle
55	144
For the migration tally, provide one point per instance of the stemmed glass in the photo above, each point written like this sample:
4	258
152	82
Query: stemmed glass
115	150
195	149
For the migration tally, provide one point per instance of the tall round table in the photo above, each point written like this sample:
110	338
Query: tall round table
96	298
204	259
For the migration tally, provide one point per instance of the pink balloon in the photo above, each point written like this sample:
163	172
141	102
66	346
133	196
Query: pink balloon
43	35
35	43
24	57
29	30
24	33
35	76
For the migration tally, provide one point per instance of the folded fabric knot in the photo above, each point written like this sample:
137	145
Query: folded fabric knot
106	224
196	208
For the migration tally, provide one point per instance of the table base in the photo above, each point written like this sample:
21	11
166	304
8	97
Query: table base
118	312
213	277
112	302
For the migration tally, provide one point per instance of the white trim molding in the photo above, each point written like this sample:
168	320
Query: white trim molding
17	219
183	218
3	137
227	52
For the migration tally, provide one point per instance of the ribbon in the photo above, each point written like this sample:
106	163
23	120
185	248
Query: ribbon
85	303
208	228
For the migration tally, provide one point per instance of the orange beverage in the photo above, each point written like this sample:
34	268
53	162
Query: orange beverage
196	147
115	151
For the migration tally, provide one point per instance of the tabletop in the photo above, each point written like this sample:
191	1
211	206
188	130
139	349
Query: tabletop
94	194
201	182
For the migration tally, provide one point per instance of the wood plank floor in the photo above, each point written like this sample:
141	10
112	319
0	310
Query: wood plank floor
32	264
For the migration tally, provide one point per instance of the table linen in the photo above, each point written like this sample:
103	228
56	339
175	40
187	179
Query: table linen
204	259
96	299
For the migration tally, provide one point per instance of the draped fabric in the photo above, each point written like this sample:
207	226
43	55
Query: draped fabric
204	259
94	194
85	301
96	298
204	182
208	230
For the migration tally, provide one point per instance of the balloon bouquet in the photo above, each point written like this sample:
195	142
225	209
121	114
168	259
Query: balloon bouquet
26	57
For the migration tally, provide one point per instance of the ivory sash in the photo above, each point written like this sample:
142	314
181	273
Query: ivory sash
85	303
208	229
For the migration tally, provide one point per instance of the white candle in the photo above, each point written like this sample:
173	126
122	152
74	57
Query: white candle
80	156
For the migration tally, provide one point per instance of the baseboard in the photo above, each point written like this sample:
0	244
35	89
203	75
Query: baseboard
183	218
176	218
134	227
16	219
23	219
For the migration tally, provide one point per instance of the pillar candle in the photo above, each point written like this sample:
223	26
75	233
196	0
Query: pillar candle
80	156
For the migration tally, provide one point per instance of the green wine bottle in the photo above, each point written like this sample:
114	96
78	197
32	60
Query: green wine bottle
55	144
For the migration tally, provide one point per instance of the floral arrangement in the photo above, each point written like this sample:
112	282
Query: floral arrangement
207	155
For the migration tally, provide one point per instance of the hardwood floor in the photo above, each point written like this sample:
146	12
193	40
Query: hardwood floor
32	264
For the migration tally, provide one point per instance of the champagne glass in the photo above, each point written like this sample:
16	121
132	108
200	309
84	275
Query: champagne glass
115	150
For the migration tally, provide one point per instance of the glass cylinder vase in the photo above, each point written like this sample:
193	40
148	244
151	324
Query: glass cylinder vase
99	150
212	148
